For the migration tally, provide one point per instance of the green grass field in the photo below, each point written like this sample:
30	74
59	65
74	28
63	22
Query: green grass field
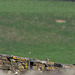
29	29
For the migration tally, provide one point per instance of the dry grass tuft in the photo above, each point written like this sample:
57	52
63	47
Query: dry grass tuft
60	21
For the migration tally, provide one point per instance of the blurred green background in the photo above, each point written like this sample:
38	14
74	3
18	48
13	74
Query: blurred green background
29	29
